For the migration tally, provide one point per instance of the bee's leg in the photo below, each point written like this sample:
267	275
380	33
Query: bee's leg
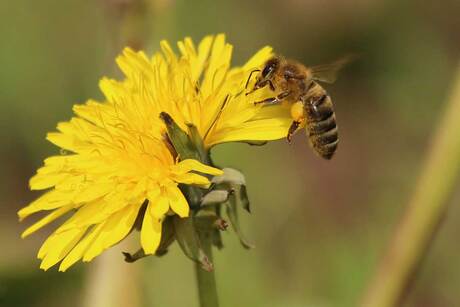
269	82
298	114
292	130
268	101
274	100
261	85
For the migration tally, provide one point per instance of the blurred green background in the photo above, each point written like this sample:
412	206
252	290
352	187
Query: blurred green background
319	226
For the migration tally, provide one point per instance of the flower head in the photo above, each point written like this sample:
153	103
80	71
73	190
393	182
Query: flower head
120	168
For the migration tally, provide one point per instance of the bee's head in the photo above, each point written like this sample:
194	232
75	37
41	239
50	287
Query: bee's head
267	73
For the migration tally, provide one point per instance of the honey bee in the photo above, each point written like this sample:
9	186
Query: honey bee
311	106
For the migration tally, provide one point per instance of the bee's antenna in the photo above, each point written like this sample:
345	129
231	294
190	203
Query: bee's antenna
249	78
217	116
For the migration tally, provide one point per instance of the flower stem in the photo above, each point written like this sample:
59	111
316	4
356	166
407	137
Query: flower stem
424	213
206	281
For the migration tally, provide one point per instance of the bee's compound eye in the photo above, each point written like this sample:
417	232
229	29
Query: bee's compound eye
268	69
270	66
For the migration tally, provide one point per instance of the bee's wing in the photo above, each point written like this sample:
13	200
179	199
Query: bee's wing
328	72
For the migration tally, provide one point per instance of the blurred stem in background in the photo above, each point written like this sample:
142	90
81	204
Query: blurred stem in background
424	213
112	283
127	21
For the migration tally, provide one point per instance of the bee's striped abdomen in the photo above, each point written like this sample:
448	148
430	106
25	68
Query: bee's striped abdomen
321	125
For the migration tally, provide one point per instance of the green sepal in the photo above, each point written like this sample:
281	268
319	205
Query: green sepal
130	258
194	195
186	147
232	212
214	197
217	239
180	140
208	220
196	139
167	236
189	241
233	181
244	199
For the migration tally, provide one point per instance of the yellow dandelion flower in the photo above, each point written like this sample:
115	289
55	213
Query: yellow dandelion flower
119	161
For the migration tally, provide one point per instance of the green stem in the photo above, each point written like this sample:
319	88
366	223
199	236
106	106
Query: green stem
207	290
424	213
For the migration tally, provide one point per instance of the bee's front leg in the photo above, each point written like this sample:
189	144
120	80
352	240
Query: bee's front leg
274	100
262	84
